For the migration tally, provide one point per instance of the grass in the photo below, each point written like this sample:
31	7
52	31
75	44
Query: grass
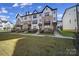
3	30
67	33
7	36
33	45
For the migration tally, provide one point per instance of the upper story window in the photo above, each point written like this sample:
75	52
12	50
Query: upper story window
34	22
47	14
70	21
35	16
47	23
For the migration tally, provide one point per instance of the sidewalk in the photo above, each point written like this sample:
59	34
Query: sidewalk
56	35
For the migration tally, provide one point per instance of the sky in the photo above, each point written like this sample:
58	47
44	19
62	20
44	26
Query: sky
10	10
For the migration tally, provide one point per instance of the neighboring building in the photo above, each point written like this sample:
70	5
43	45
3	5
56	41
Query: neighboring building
5	25
70	19
46	19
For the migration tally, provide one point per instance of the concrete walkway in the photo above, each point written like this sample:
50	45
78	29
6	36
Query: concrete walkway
56	35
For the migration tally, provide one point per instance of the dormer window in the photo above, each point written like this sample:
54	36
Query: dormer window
35	16
34	22
47	14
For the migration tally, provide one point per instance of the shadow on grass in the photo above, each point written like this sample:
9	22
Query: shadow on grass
28	47
43	46
8	36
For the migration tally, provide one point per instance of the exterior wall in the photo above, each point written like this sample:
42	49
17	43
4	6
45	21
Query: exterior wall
52	18
35	25
70	19
18	20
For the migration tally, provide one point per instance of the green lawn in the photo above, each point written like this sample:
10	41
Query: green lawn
33	45
67	33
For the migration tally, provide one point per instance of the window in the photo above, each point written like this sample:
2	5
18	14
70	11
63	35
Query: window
47	14
47	23
34	16
34	22
70	21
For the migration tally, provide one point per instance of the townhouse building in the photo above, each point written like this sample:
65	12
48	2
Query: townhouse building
45	20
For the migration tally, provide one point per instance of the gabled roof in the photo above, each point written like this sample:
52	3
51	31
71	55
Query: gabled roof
39	12
35	11
49	8
17	15
69	8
